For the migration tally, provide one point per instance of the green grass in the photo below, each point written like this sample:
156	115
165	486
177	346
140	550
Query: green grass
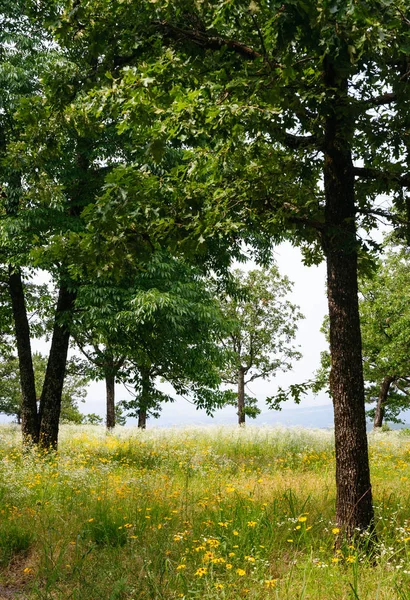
207	513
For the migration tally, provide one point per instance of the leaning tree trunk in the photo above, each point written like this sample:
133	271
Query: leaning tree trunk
29	415
382	401
110	398
50	401
354	509
241	396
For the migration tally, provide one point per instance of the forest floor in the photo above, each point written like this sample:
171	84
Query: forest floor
196	513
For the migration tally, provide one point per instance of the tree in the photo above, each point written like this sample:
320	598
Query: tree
161	322
385	320
297	93
263	331
25	52
51	167
20	49
277	100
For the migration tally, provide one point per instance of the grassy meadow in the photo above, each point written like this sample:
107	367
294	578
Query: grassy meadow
201	513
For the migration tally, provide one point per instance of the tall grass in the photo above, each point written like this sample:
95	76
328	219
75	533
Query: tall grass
210	513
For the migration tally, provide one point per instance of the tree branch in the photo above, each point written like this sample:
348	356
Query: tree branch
206	40
385	176
382	100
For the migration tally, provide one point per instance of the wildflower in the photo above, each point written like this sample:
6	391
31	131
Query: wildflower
235	532
301	520
208	556
219	586
241	572
90	520
181	566
270	582
290	541
228	566
335	559
252	523
335	530
201	572
350	559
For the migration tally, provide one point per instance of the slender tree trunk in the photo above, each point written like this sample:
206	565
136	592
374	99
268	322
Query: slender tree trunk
145	398
50	401
354	509
241	396
29	414
110	395
382	401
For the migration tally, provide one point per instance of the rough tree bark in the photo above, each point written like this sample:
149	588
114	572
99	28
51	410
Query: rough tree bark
354	509
381	401
50	401
241	396
29	417
110	398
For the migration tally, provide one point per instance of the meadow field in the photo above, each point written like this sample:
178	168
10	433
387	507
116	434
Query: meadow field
201	513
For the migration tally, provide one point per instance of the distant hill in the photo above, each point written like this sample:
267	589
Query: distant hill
317	417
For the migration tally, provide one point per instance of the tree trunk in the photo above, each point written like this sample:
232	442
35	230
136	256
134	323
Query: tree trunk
241	396
29	414
382	401
142	418
354	509
110	394
144	398
50	401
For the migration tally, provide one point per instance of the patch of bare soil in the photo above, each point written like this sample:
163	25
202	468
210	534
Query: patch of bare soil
9	592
